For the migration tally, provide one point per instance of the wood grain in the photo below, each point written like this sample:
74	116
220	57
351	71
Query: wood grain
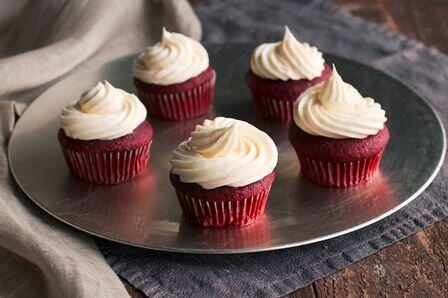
424	20
418	265
414	267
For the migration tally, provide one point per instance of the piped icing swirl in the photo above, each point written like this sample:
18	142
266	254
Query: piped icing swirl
175	59
102	113
224	152
288	59
335	109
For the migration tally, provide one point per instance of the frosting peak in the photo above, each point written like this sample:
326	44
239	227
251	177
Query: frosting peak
175	59
210	140
288	59
336	94
224	151
335	109
101	99
102	113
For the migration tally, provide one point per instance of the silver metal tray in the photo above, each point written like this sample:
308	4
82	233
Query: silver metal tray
145	213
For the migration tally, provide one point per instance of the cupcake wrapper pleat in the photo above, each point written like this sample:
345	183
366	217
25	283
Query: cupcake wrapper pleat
274	99
275	110
107	167
236	214
339	174
179	105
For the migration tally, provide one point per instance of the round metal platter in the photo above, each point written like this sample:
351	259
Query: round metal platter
145	213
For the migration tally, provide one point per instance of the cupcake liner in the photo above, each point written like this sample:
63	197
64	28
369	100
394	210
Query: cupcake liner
180	105
339	174
239	213
275	110
107	167
274	99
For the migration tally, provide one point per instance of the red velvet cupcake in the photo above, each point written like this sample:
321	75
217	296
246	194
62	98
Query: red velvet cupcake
279	72
174	79
223	173
223	206
338	162
338	135
105	137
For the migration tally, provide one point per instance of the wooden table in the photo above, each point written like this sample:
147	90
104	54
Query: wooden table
418	265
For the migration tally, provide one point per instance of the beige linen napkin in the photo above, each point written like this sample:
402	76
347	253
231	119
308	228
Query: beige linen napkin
40	42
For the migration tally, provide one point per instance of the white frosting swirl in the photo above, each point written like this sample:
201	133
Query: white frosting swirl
288	59
335	109
102	113
224	151
175	59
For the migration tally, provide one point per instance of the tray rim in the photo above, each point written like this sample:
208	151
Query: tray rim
94	67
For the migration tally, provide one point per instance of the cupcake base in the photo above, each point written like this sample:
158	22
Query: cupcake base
274	99
224	206
340	174
338	162
179	101
108	161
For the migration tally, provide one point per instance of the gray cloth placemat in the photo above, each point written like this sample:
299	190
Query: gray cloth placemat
281	272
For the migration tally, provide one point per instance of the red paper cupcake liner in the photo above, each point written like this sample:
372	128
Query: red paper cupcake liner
339	174
107	167
239	213
275	110
274	99
179	105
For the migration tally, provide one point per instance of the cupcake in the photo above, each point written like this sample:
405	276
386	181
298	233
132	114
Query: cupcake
104	136
338	135
279	72
223	173
174	79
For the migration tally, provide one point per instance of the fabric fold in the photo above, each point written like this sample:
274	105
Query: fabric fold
53	37
42	42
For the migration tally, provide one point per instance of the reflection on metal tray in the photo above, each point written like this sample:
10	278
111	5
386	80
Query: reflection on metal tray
145	211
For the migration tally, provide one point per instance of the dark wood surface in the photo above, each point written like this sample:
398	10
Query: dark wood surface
418	265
